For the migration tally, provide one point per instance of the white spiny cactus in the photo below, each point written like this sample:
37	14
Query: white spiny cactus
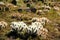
42	20
14	25
23	25
38	25
3	24
18	25
43	32
34	28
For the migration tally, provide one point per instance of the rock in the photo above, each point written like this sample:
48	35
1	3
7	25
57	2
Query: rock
14	2
20	10
27	9
33	10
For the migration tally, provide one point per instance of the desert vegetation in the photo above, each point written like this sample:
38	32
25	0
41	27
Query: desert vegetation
29	19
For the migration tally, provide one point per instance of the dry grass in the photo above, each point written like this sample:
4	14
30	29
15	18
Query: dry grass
26	16
6	16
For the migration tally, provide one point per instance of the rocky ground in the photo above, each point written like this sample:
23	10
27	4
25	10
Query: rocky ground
28	10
